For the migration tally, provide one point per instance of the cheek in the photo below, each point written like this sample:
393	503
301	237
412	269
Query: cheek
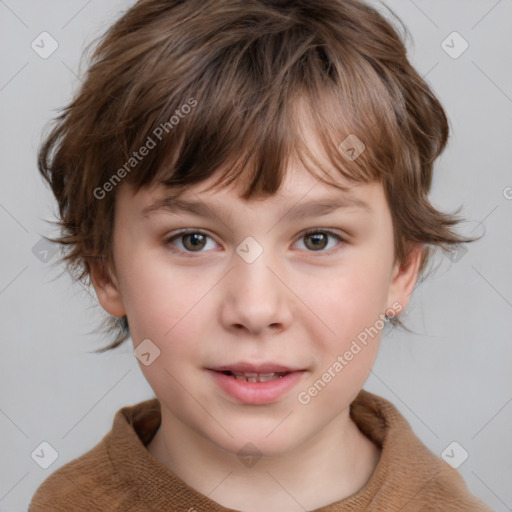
162	301
168	307
351	305
354	297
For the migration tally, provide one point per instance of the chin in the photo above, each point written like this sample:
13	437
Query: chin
255	443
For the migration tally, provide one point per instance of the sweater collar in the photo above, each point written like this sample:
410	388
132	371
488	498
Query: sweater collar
377	418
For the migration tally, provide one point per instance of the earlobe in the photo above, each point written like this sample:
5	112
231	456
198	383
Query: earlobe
405	276
107	289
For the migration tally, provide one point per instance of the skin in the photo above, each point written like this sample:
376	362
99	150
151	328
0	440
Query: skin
294	304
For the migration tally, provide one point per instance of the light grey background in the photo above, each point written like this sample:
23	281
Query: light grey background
452	381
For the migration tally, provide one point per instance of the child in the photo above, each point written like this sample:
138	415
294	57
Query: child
253	126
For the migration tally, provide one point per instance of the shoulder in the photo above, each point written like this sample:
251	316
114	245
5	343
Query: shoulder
447	490
105	477
86	483
408	473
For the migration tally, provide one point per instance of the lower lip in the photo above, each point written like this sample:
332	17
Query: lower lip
256	393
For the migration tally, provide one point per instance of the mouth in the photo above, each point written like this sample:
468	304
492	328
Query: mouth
256	384
253	368
255	377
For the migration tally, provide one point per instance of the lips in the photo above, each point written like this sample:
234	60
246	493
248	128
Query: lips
247	372
260	369
256	384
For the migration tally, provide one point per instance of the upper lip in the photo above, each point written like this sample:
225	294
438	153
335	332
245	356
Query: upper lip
243	367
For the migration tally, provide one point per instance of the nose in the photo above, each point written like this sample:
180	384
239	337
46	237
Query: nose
256	298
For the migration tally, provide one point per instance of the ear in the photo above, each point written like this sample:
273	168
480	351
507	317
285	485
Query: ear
107	288
405	276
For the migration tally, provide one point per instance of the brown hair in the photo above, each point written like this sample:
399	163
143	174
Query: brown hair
211	84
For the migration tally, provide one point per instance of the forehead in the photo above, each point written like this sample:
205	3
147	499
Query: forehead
301	195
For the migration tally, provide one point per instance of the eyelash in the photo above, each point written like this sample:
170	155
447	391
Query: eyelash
168	241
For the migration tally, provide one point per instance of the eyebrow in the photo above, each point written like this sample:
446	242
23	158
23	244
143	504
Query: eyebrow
314	208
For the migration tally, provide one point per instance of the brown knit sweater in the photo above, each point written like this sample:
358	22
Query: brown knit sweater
119	474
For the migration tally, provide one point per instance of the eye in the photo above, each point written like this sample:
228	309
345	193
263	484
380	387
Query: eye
318	239
193	241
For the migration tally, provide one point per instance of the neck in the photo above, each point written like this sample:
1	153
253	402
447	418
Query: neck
335	464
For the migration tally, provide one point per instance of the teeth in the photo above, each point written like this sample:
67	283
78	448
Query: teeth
257	377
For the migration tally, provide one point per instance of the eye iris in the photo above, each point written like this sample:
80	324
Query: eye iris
317	240
199	240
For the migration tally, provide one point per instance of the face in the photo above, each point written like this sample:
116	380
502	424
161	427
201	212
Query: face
273	284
